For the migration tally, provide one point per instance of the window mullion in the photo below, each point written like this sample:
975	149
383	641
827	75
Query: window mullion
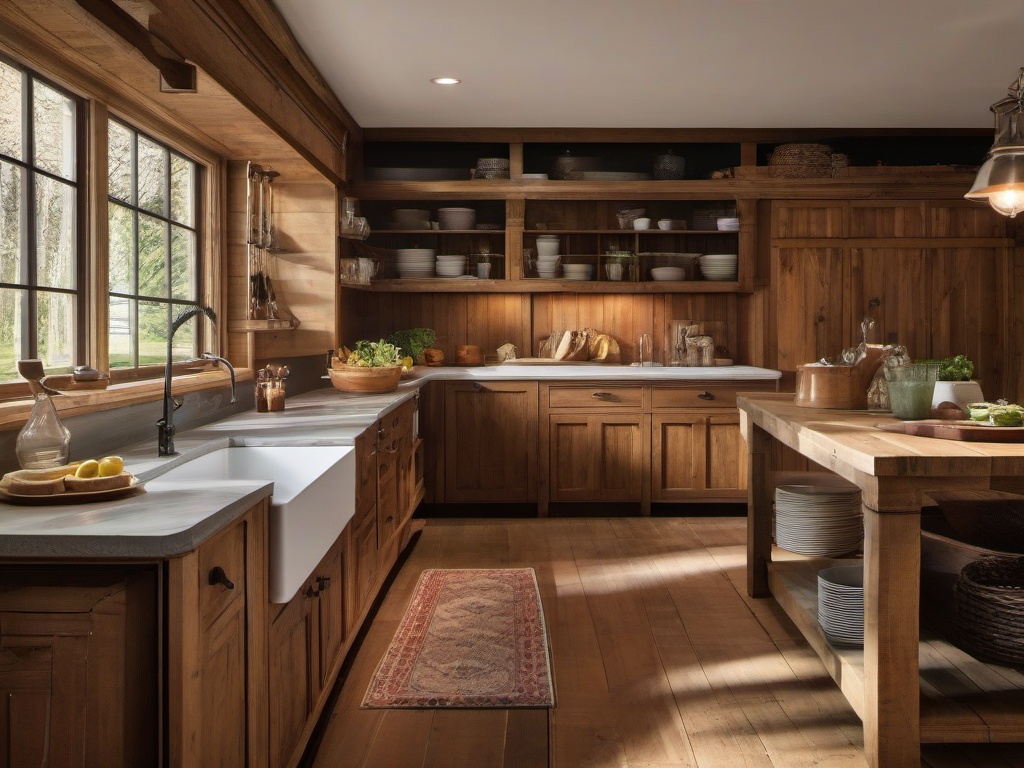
30	332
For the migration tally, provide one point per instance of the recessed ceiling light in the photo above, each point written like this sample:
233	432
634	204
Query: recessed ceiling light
445	80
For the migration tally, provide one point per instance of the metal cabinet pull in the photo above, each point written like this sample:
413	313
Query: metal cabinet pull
601	395
323	582
310	592
706	396
477	387
381	433
217	576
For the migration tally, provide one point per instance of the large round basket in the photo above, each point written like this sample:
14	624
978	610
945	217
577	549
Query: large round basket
355	378
990	608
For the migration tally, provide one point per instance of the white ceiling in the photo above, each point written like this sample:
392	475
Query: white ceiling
665	63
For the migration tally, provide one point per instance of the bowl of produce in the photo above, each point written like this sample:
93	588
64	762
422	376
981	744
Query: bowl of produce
372	367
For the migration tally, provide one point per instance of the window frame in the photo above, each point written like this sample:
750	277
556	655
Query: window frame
29	256
149	370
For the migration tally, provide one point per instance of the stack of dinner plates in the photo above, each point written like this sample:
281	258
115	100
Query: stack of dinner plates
451	265
456	218
718	266
820	521
415	262
841	604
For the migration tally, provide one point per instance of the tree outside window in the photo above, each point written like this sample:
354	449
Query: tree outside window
153	262
39	206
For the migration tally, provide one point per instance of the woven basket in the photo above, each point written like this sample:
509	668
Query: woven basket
990	608
801	161
989	519
626	216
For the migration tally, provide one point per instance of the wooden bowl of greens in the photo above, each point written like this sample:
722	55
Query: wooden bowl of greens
373	367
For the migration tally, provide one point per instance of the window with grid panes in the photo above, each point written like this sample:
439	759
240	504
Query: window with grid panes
153	253
40	301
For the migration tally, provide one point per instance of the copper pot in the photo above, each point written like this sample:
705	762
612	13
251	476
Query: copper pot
469	354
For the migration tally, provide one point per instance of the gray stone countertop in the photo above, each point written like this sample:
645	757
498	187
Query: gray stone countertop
171	519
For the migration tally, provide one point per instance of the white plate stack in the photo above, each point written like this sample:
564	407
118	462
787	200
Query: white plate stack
456	218
415	262
820	521
718	266
547	266
841	604
451	265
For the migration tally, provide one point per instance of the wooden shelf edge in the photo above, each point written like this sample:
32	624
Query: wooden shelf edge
993	712
537	285
262	326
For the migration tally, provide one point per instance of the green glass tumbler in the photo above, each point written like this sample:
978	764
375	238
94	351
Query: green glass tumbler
910	389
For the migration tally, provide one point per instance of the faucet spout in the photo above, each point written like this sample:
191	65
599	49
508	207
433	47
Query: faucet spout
165	426
229	366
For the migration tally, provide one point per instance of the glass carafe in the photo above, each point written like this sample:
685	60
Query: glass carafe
43	442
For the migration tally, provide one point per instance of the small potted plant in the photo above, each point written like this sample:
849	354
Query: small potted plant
954	384
373	367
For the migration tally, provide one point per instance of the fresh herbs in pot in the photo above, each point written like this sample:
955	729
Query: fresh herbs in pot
413	341
374	354
957	368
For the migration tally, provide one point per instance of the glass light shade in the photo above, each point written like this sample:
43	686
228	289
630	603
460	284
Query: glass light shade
1000	181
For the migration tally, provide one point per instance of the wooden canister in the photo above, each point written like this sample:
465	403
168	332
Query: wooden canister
828	386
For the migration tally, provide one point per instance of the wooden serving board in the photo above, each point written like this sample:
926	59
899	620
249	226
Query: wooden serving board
550	361
961	429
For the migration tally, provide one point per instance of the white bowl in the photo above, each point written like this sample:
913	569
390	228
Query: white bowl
668	273
664	223
728	224
642	223
547	248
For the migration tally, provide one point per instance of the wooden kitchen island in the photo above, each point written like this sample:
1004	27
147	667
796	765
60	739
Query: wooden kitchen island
908	686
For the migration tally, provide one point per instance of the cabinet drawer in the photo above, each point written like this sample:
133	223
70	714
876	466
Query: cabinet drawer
221	558
710	396
366	470
593	396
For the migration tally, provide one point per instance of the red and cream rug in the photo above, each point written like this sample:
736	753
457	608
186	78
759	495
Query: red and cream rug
470	638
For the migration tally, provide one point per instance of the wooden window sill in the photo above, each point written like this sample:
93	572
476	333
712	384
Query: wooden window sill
14	413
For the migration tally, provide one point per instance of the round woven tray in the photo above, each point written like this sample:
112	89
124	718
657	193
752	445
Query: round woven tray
990	608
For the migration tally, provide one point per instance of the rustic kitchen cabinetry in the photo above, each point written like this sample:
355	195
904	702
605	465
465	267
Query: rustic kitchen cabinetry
79	669
306	639
490	441
217	612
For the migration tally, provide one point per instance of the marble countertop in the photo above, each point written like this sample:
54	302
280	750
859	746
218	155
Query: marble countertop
171	519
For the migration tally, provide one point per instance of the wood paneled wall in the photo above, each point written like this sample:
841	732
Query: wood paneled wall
304	272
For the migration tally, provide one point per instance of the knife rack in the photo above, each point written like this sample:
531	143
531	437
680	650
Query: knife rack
263	308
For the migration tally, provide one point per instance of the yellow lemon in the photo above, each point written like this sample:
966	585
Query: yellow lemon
407	363
111	465
89	468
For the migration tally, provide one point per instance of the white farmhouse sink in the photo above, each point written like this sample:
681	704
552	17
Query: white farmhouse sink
313	499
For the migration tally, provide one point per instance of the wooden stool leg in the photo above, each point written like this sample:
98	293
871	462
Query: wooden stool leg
759	508
892	694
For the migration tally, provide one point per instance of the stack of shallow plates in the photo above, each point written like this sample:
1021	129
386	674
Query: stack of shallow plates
820	521
547	266
729	224
578	271
410	218
718	266
415	262
451	265
456	218
841	604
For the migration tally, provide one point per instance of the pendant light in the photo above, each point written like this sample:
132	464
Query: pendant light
1000	180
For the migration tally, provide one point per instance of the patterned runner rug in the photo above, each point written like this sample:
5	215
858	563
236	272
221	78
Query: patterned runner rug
470	638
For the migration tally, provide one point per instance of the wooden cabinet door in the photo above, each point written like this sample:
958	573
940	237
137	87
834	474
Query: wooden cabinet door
361	565
677	456
491	441
294	675
222	727
698	456
388	492
809	284
366	470
597	457
330	604
810	219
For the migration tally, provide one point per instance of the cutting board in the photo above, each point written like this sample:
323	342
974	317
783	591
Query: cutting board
550	361
968	431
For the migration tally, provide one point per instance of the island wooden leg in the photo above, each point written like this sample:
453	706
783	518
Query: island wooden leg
892	558
759	509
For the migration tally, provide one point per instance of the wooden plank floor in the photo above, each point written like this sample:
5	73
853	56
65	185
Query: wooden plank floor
660	660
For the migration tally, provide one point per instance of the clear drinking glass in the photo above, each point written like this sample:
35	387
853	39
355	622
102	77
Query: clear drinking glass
910	389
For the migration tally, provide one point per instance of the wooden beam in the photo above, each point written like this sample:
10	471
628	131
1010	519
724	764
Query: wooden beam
176	75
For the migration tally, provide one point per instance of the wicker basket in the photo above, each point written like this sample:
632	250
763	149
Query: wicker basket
990	609
626	216
990	519
801	161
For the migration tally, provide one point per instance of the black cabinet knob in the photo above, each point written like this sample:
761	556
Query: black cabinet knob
323	582
217	576
706	396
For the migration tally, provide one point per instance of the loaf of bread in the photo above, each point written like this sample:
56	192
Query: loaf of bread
26	487
74	484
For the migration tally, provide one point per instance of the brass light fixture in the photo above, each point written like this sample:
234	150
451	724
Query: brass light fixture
1000	180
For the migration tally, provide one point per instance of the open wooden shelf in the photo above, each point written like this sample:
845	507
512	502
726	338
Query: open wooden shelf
962	699
538	285
437	232
653	231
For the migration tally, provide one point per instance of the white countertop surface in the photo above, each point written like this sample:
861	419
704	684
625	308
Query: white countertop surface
171	519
